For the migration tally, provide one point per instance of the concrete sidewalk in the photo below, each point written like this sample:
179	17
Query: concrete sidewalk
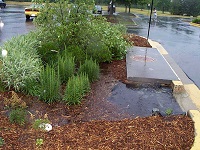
148	65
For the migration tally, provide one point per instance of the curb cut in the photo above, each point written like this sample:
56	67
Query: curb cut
195	115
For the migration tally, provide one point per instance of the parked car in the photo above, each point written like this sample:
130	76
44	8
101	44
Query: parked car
33	10
2	4
97	9
109	8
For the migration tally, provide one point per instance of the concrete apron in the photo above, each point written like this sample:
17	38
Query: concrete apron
158	67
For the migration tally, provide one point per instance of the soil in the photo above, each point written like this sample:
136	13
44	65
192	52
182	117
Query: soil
95	123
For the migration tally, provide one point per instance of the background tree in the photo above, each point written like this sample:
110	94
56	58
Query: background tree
163	5
175	8
187	7
191	7
142	3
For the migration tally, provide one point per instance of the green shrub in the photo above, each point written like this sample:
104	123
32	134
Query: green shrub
98	50
49	87
196	20
18	116
76	89
32	87
91	68
75	51
82	33
66	68
22	62
48	52
115	41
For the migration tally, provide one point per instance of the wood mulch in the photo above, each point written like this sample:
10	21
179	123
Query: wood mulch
96	123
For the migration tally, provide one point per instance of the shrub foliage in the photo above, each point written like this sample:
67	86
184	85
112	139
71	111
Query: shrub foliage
22	62
91	68
49	86
76	89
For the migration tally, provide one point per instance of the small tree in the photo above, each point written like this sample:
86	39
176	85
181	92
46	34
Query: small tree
75	26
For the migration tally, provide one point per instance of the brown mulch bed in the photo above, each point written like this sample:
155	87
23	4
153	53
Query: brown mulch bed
96	123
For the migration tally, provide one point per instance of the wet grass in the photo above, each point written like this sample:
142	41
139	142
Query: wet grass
18	3
122	18
126	19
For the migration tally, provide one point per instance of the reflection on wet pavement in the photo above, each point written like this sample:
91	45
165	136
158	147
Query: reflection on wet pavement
140	101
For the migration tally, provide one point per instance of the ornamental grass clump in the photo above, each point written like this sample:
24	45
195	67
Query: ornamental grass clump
49	87
91	68
66	68
77	87
18	116
21	63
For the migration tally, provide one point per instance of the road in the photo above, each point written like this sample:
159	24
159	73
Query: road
14	22
181	41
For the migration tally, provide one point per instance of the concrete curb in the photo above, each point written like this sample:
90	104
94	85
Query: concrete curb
195	115
195	24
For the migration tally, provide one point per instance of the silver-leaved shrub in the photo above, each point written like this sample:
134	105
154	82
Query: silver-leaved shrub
22	63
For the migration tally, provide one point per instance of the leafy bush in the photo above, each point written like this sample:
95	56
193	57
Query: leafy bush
76	52
22	62
18	116
83	34
76	88
91	68
48	52
49	86
196	20
32	87
66	67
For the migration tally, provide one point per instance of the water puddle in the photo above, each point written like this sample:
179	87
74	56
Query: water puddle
140	101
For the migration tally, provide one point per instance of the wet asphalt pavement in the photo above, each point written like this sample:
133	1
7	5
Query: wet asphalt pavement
14	23
140	101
